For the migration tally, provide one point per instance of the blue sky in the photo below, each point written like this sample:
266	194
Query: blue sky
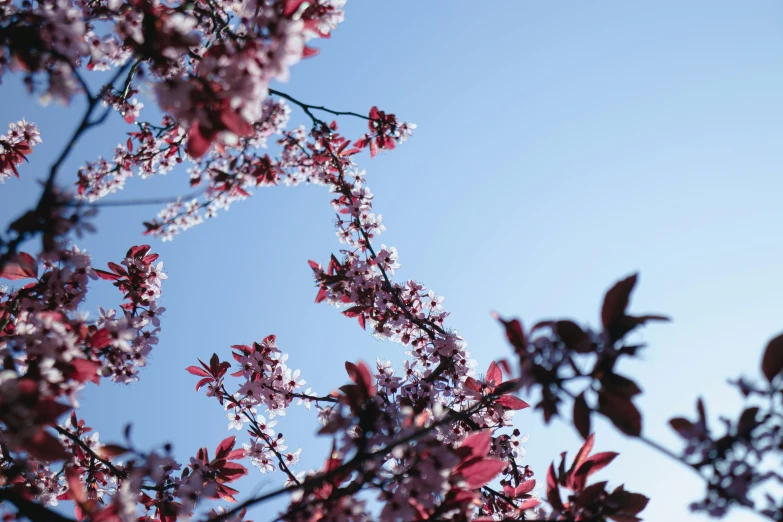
559	148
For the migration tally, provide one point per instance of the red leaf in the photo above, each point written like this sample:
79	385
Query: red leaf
226	493
494	375
529	504
22	266
85	370
475	445
225	447
48	410
524	488
23	147
111	450
479	472
236	454
584	451
552	489
772	362
514	333
235	123
118	269
108	276
75	486
506	366
321	295
101	338
44	446
198	144
513	403
354	311
360	374
195	370
473	384
231	471
291	7
596	463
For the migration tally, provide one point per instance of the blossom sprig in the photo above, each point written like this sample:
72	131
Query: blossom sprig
266	384
16	145
50	353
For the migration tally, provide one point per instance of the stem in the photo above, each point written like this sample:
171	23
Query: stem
308	108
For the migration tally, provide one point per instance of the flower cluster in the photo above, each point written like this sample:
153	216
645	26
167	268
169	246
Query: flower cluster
269	385
15	146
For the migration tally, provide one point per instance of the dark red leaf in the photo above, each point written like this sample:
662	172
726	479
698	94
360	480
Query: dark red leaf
111	450
747	422
584	451
507	387
595	463
682	426
582	416
552	489
360	374
44	446
616	301
772	361
621	412
514	333
107	275
619	385
573	336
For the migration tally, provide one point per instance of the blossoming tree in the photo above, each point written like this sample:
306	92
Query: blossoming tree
433	440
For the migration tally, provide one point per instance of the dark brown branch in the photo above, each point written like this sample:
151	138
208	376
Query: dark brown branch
117	472
308	108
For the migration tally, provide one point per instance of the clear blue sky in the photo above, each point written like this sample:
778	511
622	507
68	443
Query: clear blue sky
560	147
